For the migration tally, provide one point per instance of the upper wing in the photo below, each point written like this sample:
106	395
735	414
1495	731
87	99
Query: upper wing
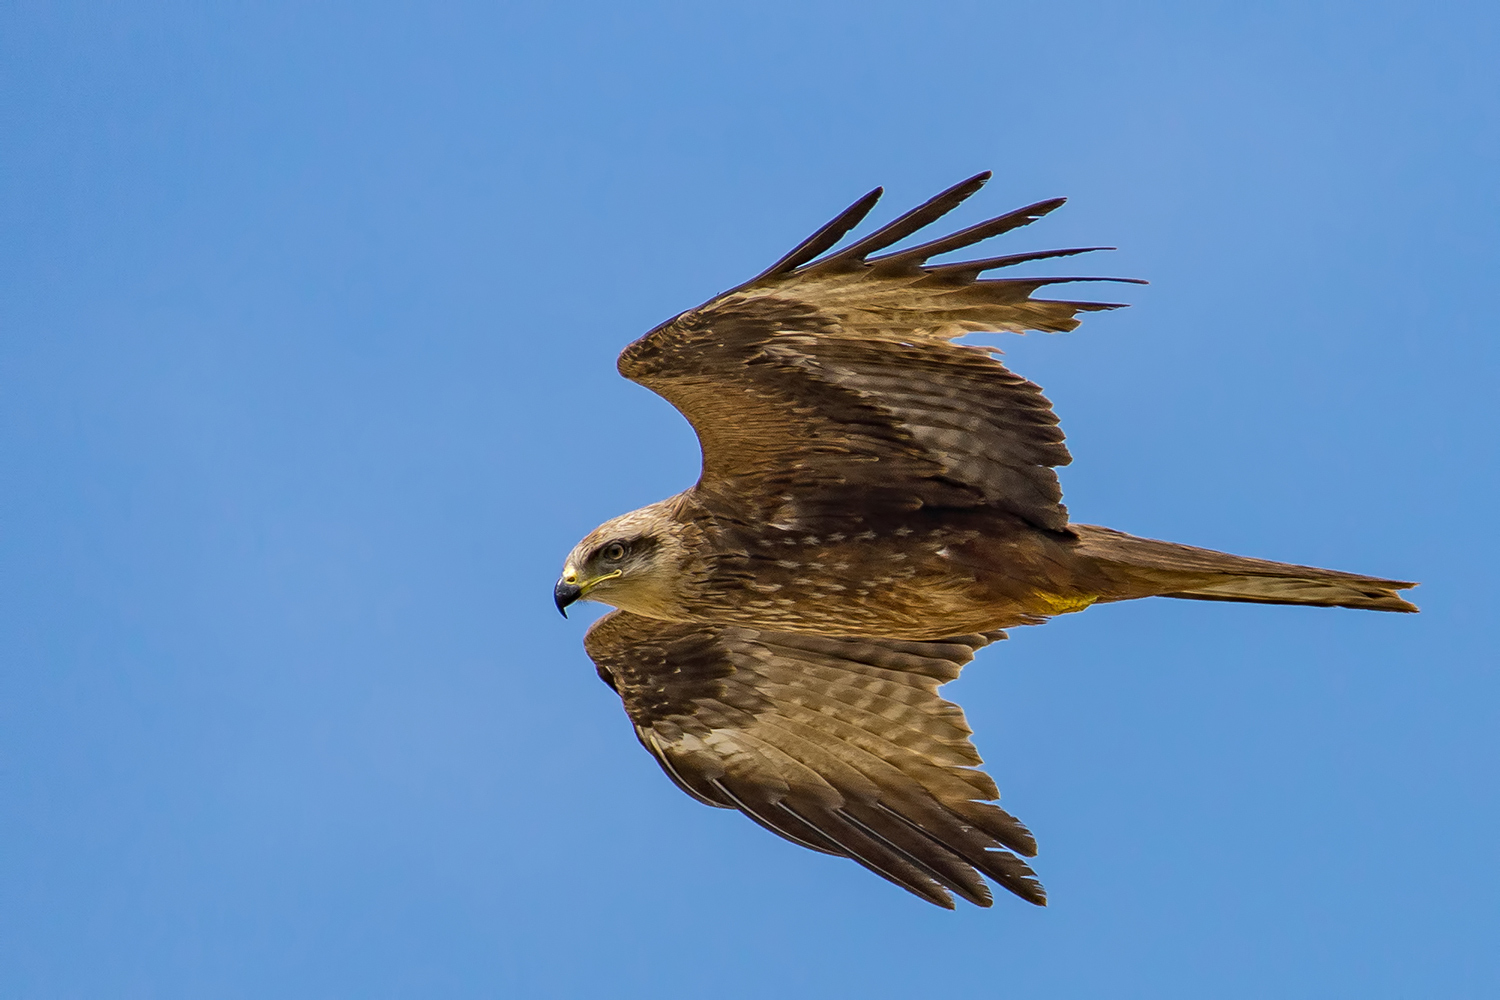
826	382
840	745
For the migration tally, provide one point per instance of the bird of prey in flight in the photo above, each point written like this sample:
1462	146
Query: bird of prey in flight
877	502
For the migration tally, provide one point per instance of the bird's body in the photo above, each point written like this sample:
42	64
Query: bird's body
925	574
877	502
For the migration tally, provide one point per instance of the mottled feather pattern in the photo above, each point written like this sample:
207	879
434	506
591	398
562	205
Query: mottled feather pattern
933	424
758	720
843	371
991	428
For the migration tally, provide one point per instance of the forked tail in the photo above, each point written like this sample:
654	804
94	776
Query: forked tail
1140	567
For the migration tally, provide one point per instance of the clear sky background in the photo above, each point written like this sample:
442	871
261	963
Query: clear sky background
308	323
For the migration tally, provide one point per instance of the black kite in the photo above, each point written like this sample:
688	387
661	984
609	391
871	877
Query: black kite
877	502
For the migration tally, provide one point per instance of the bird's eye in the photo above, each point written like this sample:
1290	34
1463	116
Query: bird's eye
614	552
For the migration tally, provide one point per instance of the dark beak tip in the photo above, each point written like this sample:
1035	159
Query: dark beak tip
565	594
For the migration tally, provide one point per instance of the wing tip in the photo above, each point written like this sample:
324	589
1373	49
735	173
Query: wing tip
978	181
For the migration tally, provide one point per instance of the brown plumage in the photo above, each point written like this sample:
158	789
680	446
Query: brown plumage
876	503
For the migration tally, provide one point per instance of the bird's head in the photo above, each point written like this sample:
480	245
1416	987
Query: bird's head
629	562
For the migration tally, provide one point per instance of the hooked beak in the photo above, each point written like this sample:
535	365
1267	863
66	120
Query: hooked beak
564	594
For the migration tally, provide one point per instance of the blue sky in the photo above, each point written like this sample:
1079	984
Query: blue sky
307	332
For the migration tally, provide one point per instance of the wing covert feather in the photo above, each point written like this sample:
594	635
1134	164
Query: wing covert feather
840	745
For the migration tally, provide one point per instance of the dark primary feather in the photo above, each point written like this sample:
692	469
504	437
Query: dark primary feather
918	218
822	239
974	234
840	745
837	377
968	270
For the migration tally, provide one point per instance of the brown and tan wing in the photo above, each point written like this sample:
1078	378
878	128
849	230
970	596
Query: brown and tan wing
840	745
829	384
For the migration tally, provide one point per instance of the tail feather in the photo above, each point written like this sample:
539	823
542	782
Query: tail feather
1138	567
